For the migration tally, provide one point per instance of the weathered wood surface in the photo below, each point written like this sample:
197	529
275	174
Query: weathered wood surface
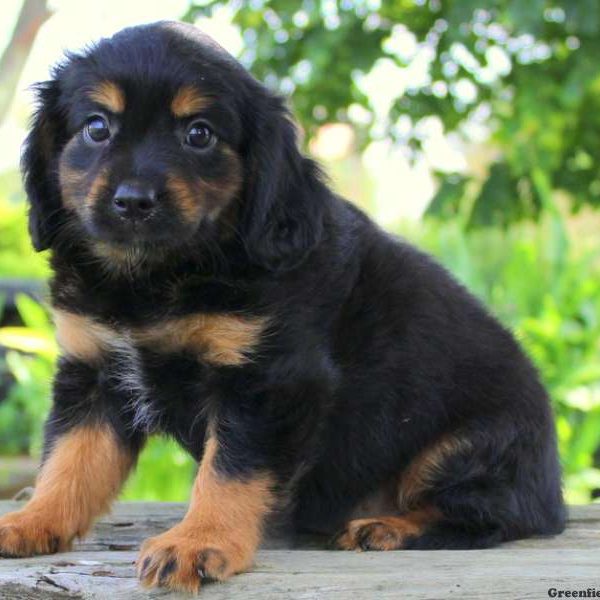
103	566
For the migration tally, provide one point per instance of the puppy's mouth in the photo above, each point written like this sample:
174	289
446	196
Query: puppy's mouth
126	246
129	233
145	227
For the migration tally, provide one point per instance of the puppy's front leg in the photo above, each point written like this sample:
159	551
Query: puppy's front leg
220	533
85	463
82	474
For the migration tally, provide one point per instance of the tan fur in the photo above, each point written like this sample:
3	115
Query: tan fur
125	260
422	471
189	101
386	533
109	95
187	197
219	534
93	195
75	192
74	183
71	182
80	336
83	473
198	198
219	194
221	339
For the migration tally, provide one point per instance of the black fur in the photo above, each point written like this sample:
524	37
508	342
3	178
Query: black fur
39	161
373	353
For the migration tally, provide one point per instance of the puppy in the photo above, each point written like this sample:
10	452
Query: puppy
209	286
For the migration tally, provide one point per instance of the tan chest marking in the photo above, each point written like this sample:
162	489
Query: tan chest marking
81	337
220	339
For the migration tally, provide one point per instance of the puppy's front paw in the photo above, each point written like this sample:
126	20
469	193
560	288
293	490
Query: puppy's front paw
182	558
26	533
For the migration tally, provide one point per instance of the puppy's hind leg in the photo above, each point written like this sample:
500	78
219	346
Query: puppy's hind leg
460	494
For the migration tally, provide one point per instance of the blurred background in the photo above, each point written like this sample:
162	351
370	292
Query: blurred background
471	127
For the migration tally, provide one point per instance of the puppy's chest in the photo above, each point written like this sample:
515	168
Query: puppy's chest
218	339
161	365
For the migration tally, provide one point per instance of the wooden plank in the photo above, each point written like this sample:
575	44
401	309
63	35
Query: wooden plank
103	566
16	472
312	574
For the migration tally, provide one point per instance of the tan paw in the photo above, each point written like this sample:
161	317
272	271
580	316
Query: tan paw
181	559
26	533
384	533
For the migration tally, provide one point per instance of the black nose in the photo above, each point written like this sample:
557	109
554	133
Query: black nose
134	199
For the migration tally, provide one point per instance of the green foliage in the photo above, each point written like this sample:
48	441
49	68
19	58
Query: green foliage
529	69
17	257
165	472
30	360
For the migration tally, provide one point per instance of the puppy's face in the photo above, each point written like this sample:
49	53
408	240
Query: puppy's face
152	149
157	138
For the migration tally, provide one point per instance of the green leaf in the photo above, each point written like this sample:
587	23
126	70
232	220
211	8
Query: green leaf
27	340
461	11
33	314
448	200
527	16
582	16
497	202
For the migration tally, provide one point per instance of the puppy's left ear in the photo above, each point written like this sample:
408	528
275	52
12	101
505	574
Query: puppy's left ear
284	196
39	164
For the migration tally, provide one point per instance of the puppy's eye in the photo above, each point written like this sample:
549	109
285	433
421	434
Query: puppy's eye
96	129
200	136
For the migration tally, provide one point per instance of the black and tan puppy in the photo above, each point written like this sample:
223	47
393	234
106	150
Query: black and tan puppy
209	286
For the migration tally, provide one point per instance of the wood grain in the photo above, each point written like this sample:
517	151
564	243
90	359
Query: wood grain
103	566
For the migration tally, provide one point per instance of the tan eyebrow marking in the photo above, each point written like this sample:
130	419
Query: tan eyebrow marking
110	95
188	101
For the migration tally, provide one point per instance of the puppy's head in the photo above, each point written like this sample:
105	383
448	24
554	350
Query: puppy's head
156	139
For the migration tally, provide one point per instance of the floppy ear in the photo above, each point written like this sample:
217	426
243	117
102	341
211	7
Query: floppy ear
282	212
39	164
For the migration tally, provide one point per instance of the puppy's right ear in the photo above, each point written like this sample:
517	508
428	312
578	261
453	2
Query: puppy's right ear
39	164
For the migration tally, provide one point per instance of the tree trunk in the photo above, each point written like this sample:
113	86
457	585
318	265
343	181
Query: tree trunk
32	16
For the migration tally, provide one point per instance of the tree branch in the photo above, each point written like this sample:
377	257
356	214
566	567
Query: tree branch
32	16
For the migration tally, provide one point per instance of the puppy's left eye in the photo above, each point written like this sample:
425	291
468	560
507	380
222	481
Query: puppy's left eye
96	129
200	136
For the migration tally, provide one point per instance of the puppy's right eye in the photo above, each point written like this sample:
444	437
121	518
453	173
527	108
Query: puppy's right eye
96	129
